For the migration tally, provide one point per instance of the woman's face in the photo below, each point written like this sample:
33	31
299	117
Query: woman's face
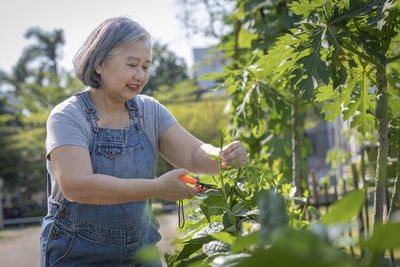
125	74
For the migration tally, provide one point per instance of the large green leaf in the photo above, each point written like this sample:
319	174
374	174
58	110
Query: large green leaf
363	102
343	210
305	7
309	70
272	216
245	242
224	237
384	237
359	8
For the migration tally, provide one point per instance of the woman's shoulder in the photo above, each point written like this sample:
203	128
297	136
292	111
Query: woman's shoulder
146	100
148	104
70	107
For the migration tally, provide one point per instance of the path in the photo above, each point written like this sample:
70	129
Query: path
20	247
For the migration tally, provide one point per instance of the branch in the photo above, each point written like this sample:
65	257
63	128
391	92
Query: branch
390	60
360	54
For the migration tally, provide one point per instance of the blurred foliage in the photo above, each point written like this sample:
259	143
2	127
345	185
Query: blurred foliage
166	69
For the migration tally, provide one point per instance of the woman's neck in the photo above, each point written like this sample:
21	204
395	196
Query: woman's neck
111	113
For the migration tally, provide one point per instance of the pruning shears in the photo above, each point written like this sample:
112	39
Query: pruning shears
202	187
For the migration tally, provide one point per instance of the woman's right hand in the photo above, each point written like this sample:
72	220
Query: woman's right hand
170	186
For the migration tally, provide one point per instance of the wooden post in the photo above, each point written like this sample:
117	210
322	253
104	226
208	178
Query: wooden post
326	195
314	188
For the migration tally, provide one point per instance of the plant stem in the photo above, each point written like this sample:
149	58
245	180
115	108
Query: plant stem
390	60
221	176
360	54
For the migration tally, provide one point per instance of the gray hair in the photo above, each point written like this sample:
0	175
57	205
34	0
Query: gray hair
104	42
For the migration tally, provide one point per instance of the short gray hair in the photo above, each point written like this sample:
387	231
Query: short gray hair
105	41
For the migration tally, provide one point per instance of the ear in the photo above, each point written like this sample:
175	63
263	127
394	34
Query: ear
99	68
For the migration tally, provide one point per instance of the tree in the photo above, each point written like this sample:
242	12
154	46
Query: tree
39	85
336	50
167	69
260	108
44	52
207	17
46	49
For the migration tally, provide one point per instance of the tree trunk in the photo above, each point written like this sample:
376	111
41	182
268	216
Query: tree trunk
395	201
296	154
383	146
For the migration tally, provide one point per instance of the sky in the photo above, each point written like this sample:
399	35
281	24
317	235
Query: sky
79	17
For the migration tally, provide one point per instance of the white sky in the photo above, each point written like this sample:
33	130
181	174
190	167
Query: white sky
79	17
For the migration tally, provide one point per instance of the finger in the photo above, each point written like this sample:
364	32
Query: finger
180	172
231	147
238	163
236	154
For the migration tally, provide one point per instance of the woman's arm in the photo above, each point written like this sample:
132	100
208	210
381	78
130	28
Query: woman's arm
78	183
183	150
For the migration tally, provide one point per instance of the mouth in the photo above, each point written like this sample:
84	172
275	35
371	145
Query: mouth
133	87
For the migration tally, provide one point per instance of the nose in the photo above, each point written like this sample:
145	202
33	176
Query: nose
140	74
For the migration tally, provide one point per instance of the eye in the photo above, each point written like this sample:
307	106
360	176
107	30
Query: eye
132	65
146	68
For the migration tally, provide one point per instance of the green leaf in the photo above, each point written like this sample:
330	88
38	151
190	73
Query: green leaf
361	100
384	237
245	242
343	210
239	209
212	76
224	237
305	7
332	110
372	8
229	260
149	254
215	247
326	92
188	250
213	157
272	216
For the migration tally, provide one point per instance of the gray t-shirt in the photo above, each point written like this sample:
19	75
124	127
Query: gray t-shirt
67	125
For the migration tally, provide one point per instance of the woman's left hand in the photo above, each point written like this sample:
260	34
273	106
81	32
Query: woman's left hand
234	154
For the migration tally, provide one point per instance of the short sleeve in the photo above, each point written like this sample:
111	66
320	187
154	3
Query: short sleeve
165	119
65	128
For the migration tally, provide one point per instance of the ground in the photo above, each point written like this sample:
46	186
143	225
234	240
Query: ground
20	247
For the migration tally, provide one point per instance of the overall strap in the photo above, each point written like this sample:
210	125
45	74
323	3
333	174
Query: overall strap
134	112
90	110
48	186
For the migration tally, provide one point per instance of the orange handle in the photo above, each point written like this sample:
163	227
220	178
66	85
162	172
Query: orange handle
189	180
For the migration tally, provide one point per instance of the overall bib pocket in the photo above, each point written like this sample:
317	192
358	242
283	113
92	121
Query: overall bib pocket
110	150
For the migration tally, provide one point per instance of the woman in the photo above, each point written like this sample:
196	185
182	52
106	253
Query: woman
101	155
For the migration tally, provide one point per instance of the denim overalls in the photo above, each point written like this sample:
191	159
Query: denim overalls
75	234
